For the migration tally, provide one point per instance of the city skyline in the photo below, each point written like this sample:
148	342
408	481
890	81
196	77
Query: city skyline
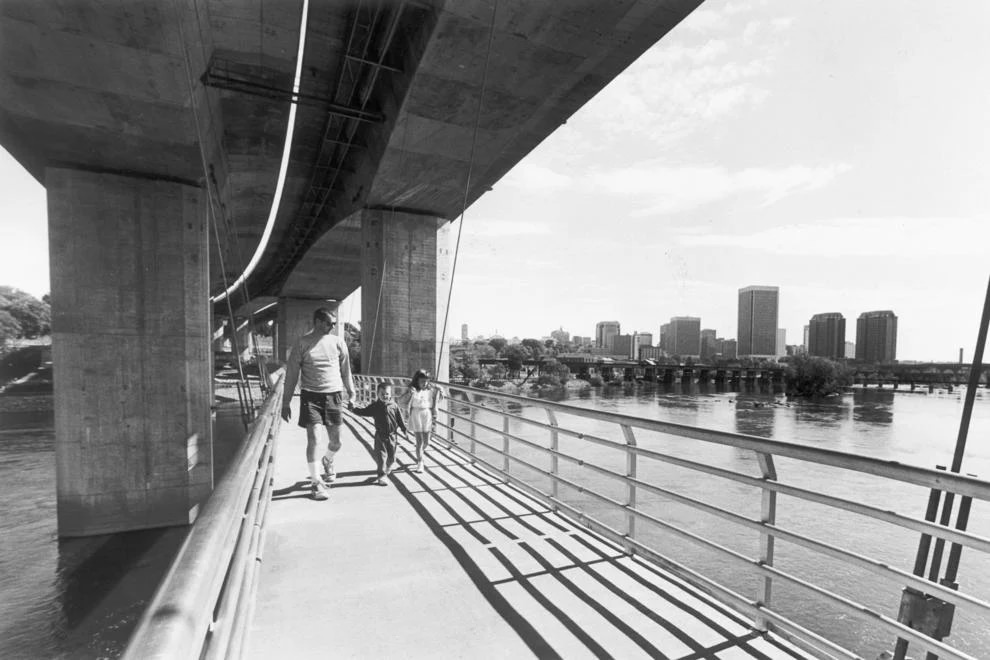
749	145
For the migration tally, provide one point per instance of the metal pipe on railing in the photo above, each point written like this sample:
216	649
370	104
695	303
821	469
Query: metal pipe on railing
766	527
630	479
920	476
874	566
176	622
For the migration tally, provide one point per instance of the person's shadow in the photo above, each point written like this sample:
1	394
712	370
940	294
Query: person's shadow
301	487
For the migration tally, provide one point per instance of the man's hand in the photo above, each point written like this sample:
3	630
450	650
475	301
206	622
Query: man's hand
350	404
286	413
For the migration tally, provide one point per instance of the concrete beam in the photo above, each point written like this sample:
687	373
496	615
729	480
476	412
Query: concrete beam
405	281
131	334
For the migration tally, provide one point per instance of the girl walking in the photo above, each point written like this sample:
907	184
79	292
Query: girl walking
421	411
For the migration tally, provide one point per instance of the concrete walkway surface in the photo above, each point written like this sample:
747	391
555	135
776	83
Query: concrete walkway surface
453	563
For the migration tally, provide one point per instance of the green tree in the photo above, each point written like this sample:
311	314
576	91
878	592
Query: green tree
498	343
464	365
535	348
553	373
514	356
33	316
9	328
810	376
352	337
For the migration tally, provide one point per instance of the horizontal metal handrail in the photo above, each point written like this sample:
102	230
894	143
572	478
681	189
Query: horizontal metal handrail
967	539
474	401
214	564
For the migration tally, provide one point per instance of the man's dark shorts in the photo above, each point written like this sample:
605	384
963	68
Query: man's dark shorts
319	408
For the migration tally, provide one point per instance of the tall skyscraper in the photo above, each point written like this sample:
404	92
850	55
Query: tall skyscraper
876	336
708	344
781	342
464	332
685	336
757	327
827	335
604	331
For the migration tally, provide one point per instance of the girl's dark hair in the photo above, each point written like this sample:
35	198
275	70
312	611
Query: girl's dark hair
417	377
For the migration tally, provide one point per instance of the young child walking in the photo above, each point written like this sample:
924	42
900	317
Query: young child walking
421	403
388	421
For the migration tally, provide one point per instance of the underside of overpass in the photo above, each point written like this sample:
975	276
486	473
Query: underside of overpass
159	129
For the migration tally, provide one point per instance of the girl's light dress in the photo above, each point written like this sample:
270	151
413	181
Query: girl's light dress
420	417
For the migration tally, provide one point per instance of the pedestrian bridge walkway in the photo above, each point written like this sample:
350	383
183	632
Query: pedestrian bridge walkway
476	557
454	562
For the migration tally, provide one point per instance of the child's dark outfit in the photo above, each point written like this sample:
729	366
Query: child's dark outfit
388	421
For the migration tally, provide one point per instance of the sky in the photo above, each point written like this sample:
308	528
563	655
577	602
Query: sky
839	150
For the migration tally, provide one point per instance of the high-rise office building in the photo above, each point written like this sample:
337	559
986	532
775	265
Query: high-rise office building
757	327
850	350
604	331
464	332
730	349
630	345
781	342
665	337
561	336
685	336
876	336
708	344
827	335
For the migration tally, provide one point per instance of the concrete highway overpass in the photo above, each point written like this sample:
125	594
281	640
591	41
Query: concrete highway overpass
159	131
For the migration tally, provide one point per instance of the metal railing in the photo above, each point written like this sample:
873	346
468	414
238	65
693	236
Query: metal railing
204	604
491	430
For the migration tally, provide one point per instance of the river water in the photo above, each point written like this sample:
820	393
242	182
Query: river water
80	598
73	598
911	428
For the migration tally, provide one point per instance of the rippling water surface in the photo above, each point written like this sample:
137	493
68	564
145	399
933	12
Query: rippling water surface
81	598
912	428
74	598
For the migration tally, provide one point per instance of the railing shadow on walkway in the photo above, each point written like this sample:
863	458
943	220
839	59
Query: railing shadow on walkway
503	538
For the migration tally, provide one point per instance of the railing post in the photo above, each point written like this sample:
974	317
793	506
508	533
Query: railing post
505	445
554	447
768	516
630	486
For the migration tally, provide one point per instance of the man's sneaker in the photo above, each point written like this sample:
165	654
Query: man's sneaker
419	466
318	491
381	481
329	474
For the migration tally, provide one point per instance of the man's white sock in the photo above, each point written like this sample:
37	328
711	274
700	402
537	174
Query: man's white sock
313	475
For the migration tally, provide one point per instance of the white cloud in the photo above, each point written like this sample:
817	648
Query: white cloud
530	176
663	189
860	237
492	228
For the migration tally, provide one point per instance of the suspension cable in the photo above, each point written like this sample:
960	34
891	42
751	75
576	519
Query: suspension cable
210	199
467	185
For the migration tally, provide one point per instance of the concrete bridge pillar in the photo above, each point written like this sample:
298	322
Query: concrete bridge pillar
295	318
131	331
405	279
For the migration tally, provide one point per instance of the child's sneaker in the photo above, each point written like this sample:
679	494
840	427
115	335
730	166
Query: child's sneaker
318	491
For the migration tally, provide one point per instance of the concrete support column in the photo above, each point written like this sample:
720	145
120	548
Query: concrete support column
131	351
405	280
295	318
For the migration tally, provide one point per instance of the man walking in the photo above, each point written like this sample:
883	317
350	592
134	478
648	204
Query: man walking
321	359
